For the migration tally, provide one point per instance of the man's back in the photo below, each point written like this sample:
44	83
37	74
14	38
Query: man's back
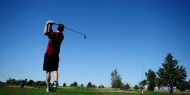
54	43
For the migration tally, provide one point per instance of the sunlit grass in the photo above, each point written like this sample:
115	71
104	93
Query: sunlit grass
75	91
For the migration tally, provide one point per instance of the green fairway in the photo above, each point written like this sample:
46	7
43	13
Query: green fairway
72	91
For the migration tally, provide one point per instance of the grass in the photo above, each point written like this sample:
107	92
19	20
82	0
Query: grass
73	91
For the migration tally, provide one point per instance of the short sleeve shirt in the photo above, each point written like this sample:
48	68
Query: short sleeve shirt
54	43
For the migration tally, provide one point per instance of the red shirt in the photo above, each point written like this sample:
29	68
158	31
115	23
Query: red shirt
54	43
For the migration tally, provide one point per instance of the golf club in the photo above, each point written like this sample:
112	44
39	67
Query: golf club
74	31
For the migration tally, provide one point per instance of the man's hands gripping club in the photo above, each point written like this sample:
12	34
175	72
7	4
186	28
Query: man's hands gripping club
49	22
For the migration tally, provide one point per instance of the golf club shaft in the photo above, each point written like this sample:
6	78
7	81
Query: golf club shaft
74	31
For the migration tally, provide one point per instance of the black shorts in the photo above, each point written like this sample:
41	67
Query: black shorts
51	63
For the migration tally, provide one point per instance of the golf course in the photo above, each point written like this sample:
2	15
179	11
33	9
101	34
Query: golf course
15	90
95	47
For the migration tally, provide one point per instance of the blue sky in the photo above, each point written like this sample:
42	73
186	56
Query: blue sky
121	34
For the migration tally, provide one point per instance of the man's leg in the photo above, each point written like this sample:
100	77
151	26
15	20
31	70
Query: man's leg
55	73
48	78
55	83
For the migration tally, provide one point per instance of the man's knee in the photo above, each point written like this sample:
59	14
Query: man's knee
48	73
55	72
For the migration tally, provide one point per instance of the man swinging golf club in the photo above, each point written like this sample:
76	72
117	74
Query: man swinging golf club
51	57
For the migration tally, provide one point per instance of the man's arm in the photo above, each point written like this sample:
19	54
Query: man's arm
47	26
46	29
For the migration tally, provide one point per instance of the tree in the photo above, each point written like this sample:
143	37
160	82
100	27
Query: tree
136	87
25	81
82	85
89	85
11	81
159	83
171	74
94	86
64	84
125	86
142	84
18	82
151	78
101	86
181	83
43	83
115	79
30	82
182	86
188	85
75	84
38	83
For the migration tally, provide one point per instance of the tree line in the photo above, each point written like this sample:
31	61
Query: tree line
24	82
171	75
89	85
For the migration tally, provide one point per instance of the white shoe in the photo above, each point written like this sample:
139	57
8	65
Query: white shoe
48	89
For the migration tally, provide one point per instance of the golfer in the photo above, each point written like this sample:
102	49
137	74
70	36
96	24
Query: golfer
51	57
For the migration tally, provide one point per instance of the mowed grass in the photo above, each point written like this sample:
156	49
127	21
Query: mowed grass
73	91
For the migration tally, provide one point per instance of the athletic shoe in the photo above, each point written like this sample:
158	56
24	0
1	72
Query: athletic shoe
55	84
48	89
